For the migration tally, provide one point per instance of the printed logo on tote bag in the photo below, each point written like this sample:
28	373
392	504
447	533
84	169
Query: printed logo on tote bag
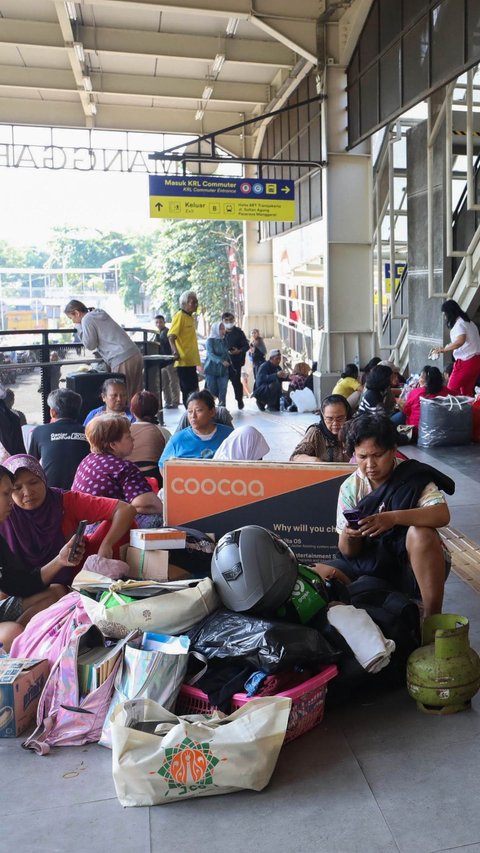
188	765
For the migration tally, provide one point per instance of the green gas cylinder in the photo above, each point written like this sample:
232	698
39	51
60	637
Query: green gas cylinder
444	673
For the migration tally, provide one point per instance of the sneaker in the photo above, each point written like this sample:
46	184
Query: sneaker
260	406
241	404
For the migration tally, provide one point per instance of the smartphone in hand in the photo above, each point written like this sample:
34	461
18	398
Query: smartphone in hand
78	538
353	517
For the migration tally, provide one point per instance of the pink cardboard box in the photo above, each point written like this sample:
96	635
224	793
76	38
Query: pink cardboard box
21	683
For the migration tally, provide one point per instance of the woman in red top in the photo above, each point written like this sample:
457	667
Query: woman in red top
431	385
43	519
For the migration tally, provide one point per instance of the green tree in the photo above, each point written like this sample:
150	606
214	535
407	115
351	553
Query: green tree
193	255
80	247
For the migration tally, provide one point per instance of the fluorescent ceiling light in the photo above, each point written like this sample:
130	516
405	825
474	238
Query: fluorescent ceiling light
71	10
87	84
218	63
207	92
93	109
78	48
199	115
232	26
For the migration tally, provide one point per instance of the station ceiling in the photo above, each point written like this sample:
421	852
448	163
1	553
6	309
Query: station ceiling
169	67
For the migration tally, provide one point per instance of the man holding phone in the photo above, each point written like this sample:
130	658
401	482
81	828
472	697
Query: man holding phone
388	515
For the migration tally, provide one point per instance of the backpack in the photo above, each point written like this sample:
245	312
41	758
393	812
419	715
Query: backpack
398	618
63	718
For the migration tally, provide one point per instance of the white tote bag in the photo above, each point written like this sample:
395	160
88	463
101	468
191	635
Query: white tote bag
195	756
180	605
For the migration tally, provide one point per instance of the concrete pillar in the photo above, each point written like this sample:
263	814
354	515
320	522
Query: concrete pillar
258	288
347	241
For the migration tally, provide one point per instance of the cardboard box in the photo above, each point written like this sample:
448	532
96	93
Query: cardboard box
164	538
21	683
152	565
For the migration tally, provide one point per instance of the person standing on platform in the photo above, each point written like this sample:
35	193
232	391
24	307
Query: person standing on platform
238	347
170	385
100	333
465	348
183	341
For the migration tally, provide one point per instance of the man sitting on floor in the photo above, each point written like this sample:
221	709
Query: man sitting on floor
268	382
400	509
60	445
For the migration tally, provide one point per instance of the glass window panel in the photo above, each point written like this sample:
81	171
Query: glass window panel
304	206
412	9
293	120
304	146
315	140
353	112
447	21
308	315
415	61
473	31
316	196
390	99
390	21
354	65
369	39
369	99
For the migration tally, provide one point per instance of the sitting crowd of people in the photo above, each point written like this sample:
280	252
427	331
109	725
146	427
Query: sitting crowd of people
112	475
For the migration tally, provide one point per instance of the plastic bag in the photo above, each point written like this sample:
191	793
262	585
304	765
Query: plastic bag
266	645
445	421
304	400
154	673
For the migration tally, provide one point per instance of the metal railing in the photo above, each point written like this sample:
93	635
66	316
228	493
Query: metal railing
38	356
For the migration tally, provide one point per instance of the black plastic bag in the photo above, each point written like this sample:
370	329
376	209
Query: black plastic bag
269	646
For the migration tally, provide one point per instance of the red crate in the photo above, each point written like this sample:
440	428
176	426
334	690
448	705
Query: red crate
308	702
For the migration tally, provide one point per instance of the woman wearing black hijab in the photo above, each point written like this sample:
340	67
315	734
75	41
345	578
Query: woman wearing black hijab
322	442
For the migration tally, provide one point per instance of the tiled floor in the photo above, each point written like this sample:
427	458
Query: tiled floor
375	776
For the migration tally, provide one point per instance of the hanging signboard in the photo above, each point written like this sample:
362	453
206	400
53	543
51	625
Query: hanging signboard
298	502
206	197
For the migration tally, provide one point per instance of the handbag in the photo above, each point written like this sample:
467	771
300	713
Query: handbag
177	606
149	673
445	421
159	757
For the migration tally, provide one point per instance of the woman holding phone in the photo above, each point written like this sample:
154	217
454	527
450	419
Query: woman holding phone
24	592
43	519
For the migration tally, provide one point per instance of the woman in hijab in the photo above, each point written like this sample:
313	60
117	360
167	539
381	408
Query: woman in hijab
43	519
322	442
217	363
244	443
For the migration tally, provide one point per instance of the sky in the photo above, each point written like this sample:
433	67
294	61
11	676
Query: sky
32	201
